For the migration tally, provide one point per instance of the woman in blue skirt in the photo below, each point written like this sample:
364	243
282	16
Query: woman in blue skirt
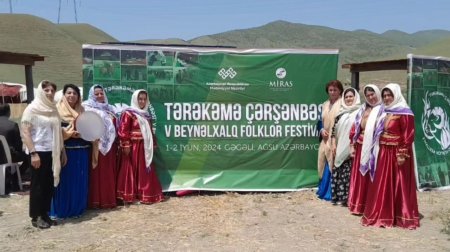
70	197
330	110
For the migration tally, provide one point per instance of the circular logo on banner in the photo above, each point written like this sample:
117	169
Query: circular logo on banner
436	122
280	73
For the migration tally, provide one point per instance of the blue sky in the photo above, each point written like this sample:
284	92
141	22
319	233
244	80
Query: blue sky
188	19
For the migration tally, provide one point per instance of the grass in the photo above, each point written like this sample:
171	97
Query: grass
437	48
418	39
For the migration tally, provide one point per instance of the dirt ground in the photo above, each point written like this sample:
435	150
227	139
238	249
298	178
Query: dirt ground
294	221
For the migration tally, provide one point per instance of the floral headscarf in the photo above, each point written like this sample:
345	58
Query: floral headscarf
105	111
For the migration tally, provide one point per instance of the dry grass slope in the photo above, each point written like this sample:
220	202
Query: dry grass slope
86	33
60	46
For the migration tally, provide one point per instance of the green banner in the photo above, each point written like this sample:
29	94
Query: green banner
227	119
429	96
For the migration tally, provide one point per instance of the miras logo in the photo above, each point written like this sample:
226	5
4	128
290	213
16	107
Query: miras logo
227	73
281	73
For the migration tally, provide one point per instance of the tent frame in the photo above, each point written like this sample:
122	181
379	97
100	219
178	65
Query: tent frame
26	60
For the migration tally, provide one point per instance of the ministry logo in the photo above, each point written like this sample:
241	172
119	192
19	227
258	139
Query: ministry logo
436	123
227	73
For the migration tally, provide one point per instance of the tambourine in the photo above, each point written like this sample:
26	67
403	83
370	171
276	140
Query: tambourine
90	126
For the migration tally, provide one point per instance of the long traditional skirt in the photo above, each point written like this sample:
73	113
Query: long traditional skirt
340	182
392	198
358	185
324	189
102	180
71	195
135	182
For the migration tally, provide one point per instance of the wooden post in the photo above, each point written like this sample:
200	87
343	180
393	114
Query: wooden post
355	80
29	83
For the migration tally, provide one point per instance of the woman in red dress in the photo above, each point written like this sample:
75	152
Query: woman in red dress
392	198
137	176
361	136
102	177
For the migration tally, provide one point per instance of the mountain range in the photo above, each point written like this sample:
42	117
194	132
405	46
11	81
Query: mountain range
61	45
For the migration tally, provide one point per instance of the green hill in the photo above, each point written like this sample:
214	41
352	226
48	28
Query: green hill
353	46
438	48
60	44
417	39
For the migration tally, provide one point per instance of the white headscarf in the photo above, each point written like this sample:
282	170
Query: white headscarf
369	130
399	101
347	118
42	106
143	116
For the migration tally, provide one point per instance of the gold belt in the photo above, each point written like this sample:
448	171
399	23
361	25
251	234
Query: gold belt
387	135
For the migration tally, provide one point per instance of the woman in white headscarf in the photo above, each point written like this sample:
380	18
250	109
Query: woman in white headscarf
102	179
361	136
137	176
42	135
391	197
341	146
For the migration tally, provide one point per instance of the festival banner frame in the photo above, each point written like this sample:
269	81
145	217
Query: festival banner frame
226	119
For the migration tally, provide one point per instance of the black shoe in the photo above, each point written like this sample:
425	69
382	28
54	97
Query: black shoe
51	222
34	221
120	202
39	223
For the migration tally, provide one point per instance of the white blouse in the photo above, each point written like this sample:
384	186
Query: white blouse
42	134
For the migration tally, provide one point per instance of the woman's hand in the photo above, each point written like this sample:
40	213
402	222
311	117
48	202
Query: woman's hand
126	150
352	151
63	158
324	135
35	161
400	160
76	134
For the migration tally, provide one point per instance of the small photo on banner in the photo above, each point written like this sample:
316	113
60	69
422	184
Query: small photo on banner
88	67
106	64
